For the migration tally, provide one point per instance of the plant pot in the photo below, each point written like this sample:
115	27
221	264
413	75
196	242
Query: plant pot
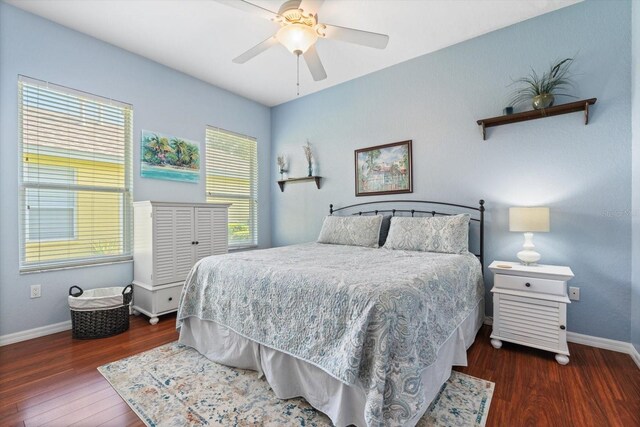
543	100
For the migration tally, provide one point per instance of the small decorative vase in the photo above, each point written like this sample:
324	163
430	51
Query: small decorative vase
543	100
310	170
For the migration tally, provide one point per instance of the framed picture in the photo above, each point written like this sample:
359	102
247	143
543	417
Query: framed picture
169	157
384	169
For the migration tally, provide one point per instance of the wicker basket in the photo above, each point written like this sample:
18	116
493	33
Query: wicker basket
99	313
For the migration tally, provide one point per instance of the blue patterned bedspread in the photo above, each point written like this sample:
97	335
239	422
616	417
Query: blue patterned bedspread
376	316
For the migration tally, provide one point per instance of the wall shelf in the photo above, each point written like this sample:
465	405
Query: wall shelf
306	178
571	107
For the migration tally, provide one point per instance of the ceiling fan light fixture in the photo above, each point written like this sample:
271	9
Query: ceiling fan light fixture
297	38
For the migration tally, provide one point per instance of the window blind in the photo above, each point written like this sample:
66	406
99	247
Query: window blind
232	177
75	177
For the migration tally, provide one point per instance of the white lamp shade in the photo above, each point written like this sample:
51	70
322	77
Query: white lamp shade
529	219
297	37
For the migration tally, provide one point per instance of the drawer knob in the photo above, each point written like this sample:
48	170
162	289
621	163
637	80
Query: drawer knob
171	299
528	285
563	327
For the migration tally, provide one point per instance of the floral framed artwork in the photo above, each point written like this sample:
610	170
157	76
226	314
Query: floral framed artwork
169	157
384	169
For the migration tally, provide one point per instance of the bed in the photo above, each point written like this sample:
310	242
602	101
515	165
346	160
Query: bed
366	335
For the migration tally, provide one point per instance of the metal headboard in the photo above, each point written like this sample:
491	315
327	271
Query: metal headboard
479	208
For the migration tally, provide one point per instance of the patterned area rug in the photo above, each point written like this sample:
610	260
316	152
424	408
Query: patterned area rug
174	385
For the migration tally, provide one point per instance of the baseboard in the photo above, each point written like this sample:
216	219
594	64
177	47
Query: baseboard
605	343
635	355
591	341
34	333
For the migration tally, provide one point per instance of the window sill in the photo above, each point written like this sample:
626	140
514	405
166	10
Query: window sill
242	248
35	270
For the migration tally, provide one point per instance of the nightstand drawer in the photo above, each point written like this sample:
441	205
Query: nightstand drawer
529	284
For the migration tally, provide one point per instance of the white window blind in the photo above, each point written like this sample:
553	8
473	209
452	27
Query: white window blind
75	177
232	177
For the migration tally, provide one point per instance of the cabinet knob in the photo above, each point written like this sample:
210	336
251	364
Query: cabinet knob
563	327
171	299
197	243
193	243
528	285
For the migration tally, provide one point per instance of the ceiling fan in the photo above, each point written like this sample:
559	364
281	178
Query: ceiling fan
300	30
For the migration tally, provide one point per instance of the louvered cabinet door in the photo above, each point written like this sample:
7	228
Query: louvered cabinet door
530	321
211	232
173	247
185	243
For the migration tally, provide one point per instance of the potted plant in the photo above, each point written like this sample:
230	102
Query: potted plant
542	90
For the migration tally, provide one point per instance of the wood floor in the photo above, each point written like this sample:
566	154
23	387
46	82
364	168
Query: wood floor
53	381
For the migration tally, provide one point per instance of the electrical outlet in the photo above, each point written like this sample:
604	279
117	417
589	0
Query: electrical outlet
574	293
36	291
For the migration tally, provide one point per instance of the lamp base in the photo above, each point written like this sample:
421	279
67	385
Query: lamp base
527	255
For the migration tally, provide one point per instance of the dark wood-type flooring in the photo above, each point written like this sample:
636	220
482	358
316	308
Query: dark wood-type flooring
53	381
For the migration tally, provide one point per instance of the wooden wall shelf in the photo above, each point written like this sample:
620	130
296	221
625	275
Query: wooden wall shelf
306	178
571	107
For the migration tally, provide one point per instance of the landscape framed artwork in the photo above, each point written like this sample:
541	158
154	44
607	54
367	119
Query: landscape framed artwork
384	169
169	157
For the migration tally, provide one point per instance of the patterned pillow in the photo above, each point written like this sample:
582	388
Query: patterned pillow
445	234
351	230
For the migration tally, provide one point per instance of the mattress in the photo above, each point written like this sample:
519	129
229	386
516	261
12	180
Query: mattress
368	318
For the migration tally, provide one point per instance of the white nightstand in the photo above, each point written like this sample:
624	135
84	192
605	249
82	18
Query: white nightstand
530	306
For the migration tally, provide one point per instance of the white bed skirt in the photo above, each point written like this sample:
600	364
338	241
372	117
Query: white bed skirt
291	377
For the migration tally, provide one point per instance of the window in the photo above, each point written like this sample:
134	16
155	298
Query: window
75	177
232	177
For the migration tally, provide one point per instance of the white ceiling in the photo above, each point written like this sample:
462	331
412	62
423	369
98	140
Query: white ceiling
201	37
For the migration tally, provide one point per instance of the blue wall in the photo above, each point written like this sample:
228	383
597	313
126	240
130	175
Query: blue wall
582	172
635	92
164	100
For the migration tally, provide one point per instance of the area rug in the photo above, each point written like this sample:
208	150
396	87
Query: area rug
174	385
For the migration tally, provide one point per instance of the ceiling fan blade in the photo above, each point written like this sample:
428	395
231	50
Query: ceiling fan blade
245	6
311	6
315	65
350	35
256	50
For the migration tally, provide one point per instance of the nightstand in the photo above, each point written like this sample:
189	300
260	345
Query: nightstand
530	306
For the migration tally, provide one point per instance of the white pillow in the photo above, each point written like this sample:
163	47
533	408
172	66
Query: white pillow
351	230
444	234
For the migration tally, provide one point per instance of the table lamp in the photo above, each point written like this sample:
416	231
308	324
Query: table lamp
528	220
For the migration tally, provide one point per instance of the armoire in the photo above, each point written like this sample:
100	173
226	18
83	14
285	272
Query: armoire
169	238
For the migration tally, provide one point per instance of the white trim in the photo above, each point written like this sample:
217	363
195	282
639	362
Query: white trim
605	343
635	355
34	333
597	342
